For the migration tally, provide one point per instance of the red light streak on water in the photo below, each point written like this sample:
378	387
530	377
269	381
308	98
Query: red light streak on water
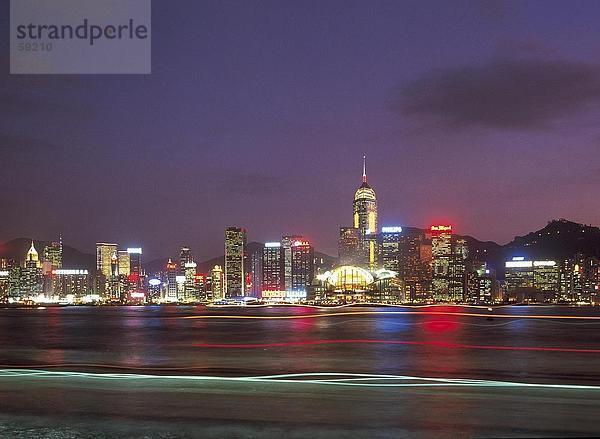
437	344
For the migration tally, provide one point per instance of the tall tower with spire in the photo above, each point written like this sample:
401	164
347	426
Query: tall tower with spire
31	274
32	257
365	220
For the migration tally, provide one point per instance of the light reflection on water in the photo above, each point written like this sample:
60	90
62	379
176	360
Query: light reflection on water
159	337
425	345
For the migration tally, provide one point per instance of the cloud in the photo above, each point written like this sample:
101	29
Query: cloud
518	94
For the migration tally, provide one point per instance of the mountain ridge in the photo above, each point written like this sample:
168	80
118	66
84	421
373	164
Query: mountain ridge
558	239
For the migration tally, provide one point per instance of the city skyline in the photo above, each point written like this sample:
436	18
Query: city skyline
333	251
299	218
374	264
282	103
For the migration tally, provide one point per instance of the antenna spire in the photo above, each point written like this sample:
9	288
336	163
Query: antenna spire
364	169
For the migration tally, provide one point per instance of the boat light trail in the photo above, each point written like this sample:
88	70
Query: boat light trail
391	313
318	378
351	305
438	344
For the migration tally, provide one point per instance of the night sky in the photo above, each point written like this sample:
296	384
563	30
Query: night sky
482	114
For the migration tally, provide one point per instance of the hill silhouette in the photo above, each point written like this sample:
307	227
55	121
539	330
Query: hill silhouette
16	249
558	239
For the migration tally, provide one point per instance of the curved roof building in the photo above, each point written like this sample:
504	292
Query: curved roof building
352	278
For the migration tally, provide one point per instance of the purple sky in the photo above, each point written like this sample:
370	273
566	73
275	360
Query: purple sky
483	114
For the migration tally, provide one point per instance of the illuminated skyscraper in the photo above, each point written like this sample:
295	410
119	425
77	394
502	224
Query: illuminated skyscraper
200	285
31	274
124	263
390	248
135	260
349	246
235	252
273	267
53	254
457	270
302	267
449	258
415	265
123	285
217	283
4	280
527	280
255	272
104	254
518	274
185	256
14	280
286	246
134	280
441	249
115	290
191	287
580	278
70	283
365	220
171	290
114	265
546	277
481	284
155	290
181	292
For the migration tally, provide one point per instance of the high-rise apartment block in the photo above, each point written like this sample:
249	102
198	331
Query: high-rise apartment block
235	254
